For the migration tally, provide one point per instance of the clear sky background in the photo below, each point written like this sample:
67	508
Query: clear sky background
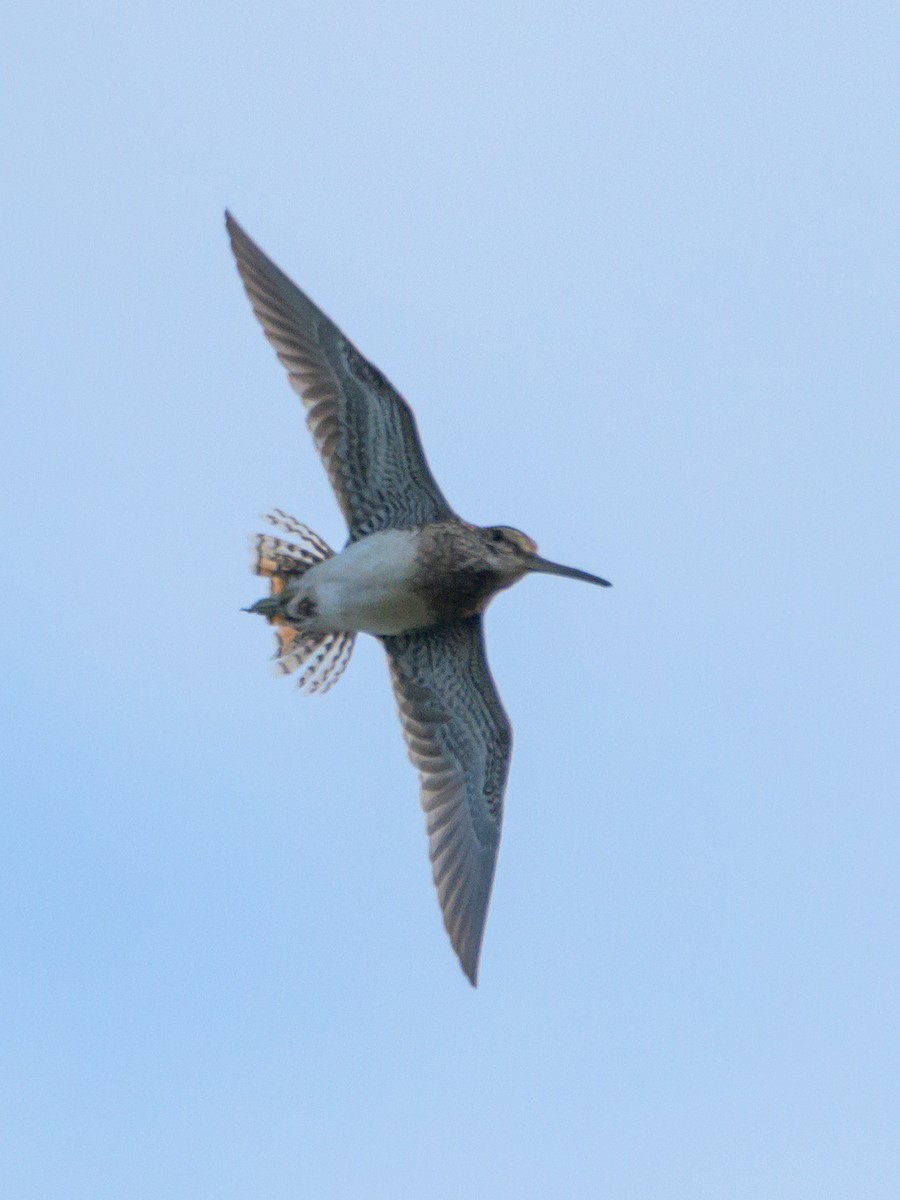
635	265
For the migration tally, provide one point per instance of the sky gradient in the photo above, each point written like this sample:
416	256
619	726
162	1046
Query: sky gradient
635	268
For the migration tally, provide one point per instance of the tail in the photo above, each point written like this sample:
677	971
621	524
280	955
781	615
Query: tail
322	655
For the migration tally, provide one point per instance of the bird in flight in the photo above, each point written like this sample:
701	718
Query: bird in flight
413	574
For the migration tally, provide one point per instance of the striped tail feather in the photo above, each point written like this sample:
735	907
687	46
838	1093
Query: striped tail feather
326	664
323	657
276	557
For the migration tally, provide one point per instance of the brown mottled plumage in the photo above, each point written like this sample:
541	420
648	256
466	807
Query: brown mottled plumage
412	573
460	567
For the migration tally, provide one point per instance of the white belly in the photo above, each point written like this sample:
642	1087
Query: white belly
366	588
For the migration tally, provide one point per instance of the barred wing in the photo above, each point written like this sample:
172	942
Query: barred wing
364	430
460	739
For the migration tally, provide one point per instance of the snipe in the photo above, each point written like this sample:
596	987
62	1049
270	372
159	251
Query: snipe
412	573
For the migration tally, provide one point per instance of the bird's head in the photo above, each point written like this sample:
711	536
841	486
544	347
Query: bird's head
513	554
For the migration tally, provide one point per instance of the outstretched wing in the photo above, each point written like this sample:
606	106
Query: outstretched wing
460	739
364	430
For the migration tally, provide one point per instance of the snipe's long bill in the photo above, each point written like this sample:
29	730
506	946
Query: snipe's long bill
412	573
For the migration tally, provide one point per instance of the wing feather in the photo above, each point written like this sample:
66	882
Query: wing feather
460	739
363	429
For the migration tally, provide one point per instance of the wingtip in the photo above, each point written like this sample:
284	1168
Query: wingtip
470	963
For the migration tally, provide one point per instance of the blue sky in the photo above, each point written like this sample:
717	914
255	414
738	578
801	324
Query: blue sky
635	267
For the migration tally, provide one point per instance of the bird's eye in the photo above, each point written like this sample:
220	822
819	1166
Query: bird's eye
497	535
